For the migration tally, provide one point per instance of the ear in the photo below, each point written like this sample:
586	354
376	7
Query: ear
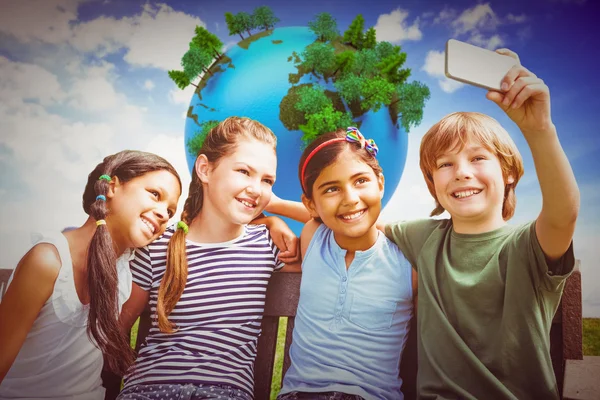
510	180
381	181
202	167
310	206
113	186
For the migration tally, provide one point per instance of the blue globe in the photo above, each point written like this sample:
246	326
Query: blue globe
254	85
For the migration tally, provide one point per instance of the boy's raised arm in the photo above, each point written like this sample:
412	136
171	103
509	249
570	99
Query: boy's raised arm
526	100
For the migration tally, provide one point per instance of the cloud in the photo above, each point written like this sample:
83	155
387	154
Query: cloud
156	37
492	43
480	17
38	20
517	19
28	82
434	66
479	25
178	96
394	28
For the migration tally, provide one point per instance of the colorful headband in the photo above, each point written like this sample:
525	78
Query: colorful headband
100	222
353	135
101	197
183	225
105	177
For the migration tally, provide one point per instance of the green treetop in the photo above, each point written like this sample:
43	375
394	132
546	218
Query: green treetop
232	25
245	21
204	39
354	34
410	103
180	78
324	26
196	60
344	62
370	39
264	17
326	120
319	58
312	99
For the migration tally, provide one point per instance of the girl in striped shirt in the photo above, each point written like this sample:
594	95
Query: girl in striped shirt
206	278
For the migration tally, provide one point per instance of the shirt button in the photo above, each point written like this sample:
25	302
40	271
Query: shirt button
343	290
344	279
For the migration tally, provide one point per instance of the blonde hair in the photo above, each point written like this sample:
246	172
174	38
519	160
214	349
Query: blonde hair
220	142
453	132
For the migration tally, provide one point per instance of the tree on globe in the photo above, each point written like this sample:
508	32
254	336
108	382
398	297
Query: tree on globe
302	82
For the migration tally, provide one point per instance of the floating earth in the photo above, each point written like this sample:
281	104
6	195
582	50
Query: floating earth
254	82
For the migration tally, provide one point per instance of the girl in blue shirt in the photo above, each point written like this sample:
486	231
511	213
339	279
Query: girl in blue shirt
357	290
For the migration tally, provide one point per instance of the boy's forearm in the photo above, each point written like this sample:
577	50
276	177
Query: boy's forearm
560	193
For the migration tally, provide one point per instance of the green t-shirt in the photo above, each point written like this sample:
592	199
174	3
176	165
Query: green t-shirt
485	308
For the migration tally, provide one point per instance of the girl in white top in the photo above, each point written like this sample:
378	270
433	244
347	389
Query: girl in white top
61	309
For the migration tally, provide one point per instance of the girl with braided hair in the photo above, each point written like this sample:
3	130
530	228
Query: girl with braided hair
61	309
206	277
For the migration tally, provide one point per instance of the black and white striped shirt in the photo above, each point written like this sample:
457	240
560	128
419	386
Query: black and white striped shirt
218	316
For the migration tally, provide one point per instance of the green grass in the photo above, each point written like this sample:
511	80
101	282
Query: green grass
591	336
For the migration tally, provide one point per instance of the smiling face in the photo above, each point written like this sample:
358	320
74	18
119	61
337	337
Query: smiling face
469	184
140	208
346	196
238	186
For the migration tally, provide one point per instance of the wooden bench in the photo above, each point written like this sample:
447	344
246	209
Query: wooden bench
282	300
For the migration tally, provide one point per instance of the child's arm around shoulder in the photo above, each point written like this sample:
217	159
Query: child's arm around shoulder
526	101
32	285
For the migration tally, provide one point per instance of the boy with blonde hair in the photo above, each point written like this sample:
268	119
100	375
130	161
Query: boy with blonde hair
488	291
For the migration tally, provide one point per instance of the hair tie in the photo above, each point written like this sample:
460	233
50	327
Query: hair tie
107	178
100	222
101	197
183	225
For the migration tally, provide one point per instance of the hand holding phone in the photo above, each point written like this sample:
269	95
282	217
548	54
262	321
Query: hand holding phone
475	65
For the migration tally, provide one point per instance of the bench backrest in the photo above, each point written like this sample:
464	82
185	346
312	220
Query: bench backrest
282	300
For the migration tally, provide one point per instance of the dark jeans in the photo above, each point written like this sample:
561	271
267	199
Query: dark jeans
318	396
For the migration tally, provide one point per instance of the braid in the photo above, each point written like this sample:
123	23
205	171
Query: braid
102	276
103	283
175	278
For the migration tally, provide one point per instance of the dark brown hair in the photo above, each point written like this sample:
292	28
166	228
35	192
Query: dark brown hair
103	322
453	132
221	141
327	156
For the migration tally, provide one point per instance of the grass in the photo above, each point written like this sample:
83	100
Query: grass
591	336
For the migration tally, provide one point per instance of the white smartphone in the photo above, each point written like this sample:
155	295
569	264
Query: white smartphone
475	65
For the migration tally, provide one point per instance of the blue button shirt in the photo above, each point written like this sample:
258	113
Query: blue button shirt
351	324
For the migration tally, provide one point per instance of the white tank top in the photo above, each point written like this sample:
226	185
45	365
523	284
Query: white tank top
57	359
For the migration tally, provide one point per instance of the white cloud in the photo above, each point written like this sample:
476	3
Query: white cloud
148	84
492	43
447	14
394	27
29	82
516	19
434	66
156	37
480	17
38	20
178	96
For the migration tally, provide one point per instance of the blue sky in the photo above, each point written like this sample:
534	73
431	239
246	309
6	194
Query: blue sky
83	79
